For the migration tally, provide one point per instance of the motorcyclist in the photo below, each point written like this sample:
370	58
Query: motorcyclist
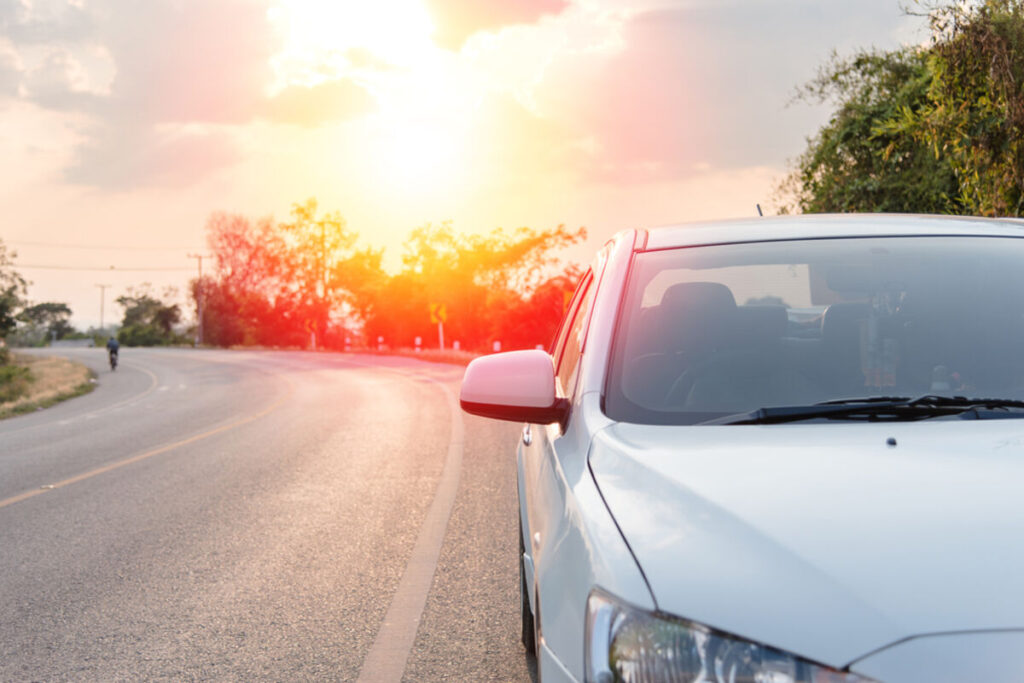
112	348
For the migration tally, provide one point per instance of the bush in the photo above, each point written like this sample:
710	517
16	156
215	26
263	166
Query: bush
14	382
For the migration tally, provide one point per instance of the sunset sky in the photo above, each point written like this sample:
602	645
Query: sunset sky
125	123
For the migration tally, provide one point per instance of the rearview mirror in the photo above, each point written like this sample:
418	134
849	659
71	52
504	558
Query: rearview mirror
516	385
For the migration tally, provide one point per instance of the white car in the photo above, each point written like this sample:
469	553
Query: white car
777	450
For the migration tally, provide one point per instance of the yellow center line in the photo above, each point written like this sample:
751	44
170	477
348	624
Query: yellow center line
147	454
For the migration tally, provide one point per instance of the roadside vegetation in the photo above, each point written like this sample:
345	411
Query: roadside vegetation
15	380
29	383
288	283
937	128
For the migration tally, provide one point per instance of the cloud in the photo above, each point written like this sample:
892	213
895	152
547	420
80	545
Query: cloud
45	21
141	156
197	62
362	58
704	85
174	69
10	73
319	104
60	82
456	20
156	79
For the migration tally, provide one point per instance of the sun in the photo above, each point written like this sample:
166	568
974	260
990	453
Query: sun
419	157
415	139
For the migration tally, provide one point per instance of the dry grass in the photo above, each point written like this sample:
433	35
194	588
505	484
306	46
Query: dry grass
53	380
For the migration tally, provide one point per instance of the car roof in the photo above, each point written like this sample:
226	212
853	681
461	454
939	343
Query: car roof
809	226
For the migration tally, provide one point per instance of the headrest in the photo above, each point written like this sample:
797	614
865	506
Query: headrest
697	316
841	322
698	295
762	321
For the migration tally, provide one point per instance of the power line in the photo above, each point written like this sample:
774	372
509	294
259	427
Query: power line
115	269
107	247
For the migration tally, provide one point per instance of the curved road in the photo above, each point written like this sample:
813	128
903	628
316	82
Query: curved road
236	515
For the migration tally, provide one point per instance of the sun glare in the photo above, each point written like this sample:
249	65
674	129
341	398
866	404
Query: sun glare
396	32
418	156
424	98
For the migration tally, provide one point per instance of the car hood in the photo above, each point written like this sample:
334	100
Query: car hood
990	656
823	539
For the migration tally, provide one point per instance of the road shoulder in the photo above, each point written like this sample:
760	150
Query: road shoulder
54	379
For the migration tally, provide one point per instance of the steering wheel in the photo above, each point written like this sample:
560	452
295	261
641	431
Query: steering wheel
747	378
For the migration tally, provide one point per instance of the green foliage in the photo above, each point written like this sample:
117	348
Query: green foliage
935	129
12	291
40	323
862	160
148	321
14	382
975	118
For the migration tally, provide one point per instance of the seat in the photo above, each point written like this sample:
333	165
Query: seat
839	368
755	370
691	321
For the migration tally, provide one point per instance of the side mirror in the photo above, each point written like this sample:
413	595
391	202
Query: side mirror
518	386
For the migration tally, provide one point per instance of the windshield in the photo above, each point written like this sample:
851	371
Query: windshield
712	331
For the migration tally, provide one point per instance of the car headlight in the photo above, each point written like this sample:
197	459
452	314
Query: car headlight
630	645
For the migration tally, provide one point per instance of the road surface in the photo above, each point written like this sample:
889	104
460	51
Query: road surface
231	515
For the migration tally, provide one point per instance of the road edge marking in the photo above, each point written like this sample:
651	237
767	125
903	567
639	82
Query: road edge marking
386	660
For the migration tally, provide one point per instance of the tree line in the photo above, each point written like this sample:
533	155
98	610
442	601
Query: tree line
291	282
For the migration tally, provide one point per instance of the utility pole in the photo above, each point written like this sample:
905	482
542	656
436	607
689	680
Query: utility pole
103	292
199	299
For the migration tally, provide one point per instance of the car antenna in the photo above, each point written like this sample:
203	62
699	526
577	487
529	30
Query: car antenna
759	212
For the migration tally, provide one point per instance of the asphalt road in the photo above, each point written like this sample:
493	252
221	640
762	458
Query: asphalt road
227	515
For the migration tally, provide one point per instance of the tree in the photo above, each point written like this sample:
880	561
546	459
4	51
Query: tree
50	319
274	283
12	291
481	280
863	160
317	245
534	319
975	116
148	320
937	129
249	299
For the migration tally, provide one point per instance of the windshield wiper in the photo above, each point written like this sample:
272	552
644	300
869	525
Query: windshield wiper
877	408
930	400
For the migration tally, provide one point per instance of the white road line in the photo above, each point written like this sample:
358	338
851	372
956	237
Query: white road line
385	662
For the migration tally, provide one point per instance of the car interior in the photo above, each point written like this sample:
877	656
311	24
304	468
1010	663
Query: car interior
697	351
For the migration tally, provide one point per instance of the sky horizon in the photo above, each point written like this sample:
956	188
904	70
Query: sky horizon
125	125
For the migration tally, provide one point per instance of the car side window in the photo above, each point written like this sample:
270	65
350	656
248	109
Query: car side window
558	343
571	341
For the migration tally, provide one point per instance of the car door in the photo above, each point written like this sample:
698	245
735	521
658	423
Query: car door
542	482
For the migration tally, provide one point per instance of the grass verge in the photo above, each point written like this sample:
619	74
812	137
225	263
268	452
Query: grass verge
51	380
